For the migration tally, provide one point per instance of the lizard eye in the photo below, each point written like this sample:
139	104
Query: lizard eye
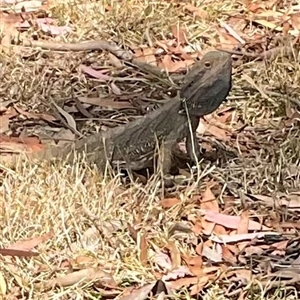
207	65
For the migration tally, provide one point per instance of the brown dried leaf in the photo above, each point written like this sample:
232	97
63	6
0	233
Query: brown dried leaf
244	223
183	282
3	285
34	116
70	120
4	123
225	116
27	6
241	274
149	56
218	132
115	61
64	136
115	89
174	66
84	261
162	45
219	229
85	276
197	228
175	254
19	253
143	247
197	288
208	202
295	20
27	245
243	228
163	260
138	294
199	248
255	7
8	111
223	239
228	255
179	272
95	73
20	144
233	33
196	11
227	41
208	199
269	25
169	202
193	260
269	15
202	127
213	254
231	221
179	34
106	102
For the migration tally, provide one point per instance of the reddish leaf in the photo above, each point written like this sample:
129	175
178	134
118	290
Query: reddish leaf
29	244
20	144
208	202
149	56
94	73
19	253
169	202
193	260
219	229
231	221
179	34
228	255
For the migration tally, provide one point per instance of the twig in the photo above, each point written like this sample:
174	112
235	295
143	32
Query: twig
283	50
98	45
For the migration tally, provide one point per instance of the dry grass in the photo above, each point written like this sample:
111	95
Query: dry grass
90	215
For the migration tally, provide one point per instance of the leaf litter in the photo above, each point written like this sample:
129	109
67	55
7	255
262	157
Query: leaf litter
235	231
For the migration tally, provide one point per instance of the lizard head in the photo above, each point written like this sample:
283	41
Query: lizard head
208	83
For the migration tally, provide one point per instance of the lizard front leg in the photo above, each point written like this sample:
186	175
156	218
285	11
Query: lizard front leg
192	145
166	155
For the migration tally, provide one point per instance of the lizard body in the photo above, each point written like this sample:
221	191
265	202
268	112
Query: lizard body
133	145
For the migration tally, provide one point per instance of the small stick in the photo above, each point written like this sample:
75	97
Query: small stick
97	45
